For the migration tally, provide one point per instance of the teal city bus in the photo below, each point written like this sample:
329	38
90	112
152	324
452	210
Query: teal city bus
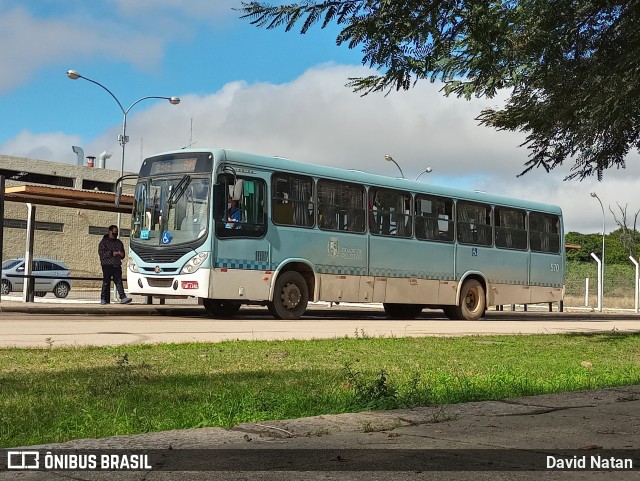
230	228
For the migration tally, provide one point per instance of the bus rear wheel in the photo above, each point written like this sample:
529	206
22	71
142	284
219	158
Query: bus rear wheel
290	296
472	302
216	308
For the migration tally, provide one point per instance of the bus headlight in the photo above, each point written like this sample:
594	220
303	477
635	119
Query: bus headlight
194	263
131	264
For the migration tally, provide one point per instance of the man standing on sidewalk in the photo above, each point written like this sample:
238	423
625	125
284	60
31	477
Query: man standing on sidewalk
111	252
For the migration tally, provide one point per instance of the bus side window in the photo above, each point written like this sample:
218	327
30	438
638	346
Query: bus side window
340	206
296	193
544	235
388	213
433	218
249	195
511	228
474	223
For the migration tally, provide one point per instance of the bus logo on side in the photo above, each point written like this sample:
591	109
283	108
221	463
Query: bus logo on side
333	247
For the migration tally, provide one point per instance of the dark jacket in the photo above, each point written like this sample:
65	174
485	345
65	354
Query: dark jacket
106	248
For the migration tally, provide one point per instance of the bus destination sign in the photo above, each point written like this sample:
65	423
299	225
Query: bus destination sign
171	166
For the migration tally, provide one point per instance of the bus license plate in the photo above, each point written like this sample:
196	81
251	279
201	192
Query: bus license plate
189	284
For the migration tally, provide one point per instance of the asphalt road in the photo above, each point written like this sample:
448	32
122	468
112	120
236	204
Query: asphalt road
40	325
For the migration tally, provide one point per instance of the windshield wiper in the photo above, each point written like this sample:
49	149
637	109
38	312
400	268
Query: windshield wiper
179	190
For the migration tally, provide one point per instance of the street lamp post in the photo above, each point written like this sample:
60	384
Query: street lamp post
428	170
390	159
601	286
122	138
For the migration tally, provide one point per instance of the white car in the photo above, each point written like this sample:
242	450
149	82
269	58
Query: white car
51	276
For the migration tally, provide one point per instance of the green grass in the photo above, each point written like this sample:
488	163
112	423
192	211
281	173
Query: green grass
57	394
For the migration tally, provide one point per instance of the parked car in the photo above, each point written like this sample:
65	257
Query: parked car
55	278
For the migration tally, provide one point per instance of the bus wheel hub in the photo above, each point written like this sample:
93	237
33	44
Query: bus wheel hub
290	296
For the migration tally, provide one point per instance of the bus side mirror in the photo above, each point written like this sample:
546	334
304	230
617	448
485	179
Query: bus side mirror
219	201
226	178
118	185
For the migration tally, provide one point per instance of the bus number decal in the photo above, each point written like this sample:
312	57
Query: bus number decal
555	267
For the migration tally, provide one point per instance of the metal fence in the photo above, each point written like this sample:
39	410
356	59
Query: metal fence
582	285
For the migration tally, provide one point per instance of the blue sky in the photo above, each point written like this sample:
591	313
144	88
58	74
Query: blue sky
249	89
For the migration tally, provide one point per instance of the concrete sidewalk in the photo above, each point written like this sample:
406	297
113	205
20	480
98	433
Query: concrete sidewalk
509	439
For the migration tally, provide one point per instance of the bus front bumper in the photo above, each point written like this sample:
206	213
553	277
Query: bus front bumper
181	285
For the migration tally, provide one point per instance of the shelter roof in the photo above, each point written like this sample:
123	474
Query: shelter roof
64	197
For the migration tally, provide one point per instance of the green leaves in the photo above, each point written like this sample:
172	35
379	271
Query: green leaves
571	66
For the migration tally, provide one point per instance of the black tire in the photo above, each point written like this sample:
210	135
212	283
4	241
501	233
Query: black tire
290	296
394	311
472	302
451	312
216	308
411	311
61	289
40	293
402	311
5	288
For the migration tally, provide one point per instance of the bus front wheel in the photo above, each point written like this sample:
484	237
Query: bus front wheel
216	308
290	296
472	302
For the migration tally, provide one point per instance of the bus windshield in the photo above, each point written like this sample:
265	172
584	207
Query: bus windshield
170	210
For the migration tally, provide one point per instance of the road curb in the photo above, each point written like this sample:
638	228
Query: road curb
100	310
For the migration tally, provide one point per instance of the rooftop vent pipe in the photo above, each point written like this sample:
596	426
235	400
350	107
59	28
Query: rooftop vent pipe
80	153
102	159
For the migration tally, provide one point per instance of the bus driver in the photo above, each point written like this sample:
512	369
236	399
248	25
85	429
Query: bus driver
234	214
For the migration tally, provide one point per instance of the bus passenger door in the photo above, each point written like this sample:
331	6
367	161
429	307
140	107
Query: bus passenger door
241	248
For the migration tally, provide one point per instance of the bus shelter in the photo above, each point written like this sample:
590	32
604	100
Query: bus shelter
33	195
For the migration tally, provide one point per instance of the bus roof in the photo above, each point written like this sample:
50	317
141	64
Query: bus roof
283	164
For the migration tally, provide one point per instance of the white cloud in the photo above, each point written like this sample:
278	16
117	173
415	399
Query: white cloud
31	43
53	146
316	119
